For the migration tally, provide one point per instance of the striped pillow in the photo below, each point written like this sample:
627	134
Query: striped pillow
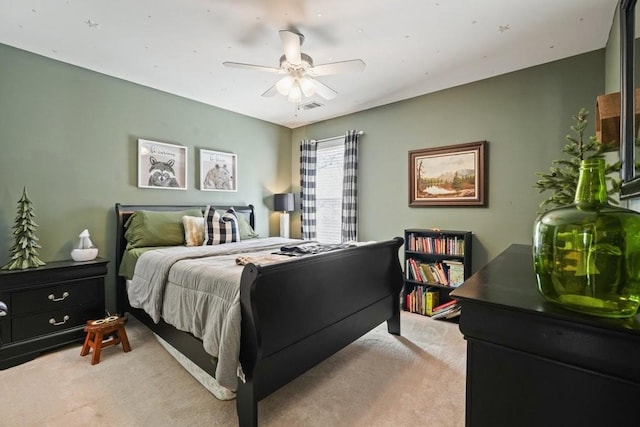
220	228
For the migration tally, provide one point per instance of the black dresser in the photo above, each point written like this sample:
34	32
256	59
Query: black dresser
530	363
48	307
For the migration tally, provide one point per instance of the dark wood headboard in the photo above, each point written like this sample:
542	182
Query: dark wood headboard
123	212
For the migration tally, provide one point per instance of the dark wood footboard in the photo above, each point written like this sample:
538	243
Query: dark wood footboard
295	315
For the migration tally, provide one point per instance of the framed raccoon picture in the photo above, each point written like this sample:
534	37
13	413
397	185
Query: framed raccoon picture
161	166
218	171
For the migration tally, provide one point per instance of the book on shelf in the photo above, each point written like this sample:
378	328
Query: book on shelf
410	270
442	274
445	273
413	271
447	245
447	310
431	300
448	314
454	313
422	272
428	274
455	272
444	306
413	300
418	273
421	300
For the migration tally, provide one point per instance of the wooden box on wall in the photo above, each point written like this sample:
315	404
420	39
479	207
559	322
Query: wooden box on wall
608	118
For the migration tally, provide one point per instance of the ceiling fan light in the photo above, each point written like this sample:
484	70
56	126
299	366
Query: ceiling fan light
295	95
308	86
284	85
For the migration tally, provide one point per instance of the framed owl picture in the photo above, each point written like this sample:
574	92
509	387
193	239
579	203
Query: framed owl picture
161	166
218	171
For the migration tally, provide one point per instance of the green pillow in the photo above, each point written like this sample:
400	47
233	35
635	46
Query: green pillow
151	228
246	231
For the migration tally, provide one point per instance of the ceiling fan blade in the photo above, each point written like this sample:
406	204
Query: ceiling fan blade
291	44
251	67
270	92
323	90
337	67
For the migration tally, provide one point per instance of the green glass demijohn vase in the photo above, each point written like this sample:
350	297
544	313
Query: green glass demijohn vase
587	255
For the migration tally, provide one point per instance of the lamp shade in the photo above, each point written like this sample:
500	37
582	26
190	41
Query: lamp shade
283	202
284	85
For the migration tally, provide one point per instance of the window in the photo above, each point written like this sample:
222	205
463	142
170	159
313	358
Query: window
329	188
329	184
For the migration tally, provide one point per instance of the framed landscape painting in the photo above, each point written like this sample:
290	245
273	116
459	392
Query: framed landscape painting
453	175
162	166
218	171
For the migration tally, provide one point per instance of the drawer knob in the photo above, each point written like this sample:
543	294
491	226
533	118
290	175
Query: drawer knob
52	297
64	320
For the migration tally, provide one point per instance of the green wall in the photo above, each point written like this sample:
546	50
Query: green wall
612	56
70	136
524	116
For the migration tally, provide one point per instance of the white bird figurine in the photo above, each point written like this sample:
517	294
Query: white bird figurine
85	240
85	250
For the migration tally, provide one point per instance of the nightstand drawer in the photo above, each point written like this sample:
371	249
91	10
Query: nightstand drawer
61	296
51	322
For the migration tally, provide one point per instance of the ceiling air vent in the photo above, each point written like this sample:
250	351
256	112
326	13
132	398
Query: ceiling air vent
310	105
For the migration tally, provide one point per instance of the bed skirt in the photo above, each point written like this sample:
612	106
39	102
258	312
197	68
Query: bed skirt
198	373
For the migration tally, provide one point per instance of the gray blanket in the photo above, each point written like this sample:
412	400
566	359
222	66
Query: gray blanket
197	289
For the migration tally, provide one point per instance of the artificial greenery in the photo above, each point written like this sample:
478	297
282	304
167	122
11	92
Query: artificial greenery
24	249
562	179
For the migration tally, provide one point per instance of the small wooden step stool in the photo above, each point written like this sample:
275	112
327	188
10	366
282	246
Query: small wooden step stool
98	330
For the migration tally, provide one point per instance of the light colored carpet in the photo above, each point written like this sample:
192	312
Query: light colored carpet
380	380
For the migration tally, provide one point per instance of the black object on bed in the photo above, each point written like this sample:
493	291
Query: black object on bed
294	314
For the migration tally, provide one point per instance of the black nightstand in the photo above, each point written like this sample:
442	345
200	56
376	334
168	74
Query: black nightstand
48	307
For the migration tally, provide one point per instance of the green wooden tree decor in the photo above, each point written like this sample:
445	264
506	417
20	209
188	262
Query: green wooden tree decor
562	179
24	249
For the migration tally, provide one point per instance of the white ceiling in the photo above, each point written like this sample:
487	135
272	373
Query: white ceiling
410	47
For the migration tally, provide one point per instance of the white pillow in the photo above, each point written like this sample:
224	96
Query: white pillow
193	230
220	228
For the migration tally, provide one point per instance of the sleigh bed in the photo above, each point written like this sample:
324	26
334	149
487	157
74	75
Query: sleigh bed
294	312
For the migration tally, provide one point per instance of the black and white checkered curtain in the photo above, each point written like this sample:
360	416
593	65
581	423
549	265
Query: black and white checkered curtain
308	188
350	187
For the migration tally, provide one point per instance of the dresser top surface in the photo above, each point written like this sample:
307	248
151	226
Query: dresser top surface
51	265
509	281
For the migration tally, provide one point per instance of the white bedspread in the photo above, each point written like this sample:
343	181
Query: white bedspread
197	289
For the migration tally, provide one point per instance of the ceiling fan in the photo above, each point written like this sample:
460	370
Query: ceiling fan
300	73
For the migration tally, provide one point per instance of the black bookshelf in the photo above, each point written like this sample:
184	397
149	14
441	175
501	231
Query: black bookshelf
437	261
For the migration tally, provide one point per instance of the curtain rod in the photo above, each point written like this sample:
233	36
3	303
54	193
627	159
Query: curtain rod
336	137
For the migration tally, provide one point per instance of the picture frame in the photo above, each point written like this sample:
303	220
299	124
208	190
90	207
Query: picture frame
452	175
161	166
218	171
